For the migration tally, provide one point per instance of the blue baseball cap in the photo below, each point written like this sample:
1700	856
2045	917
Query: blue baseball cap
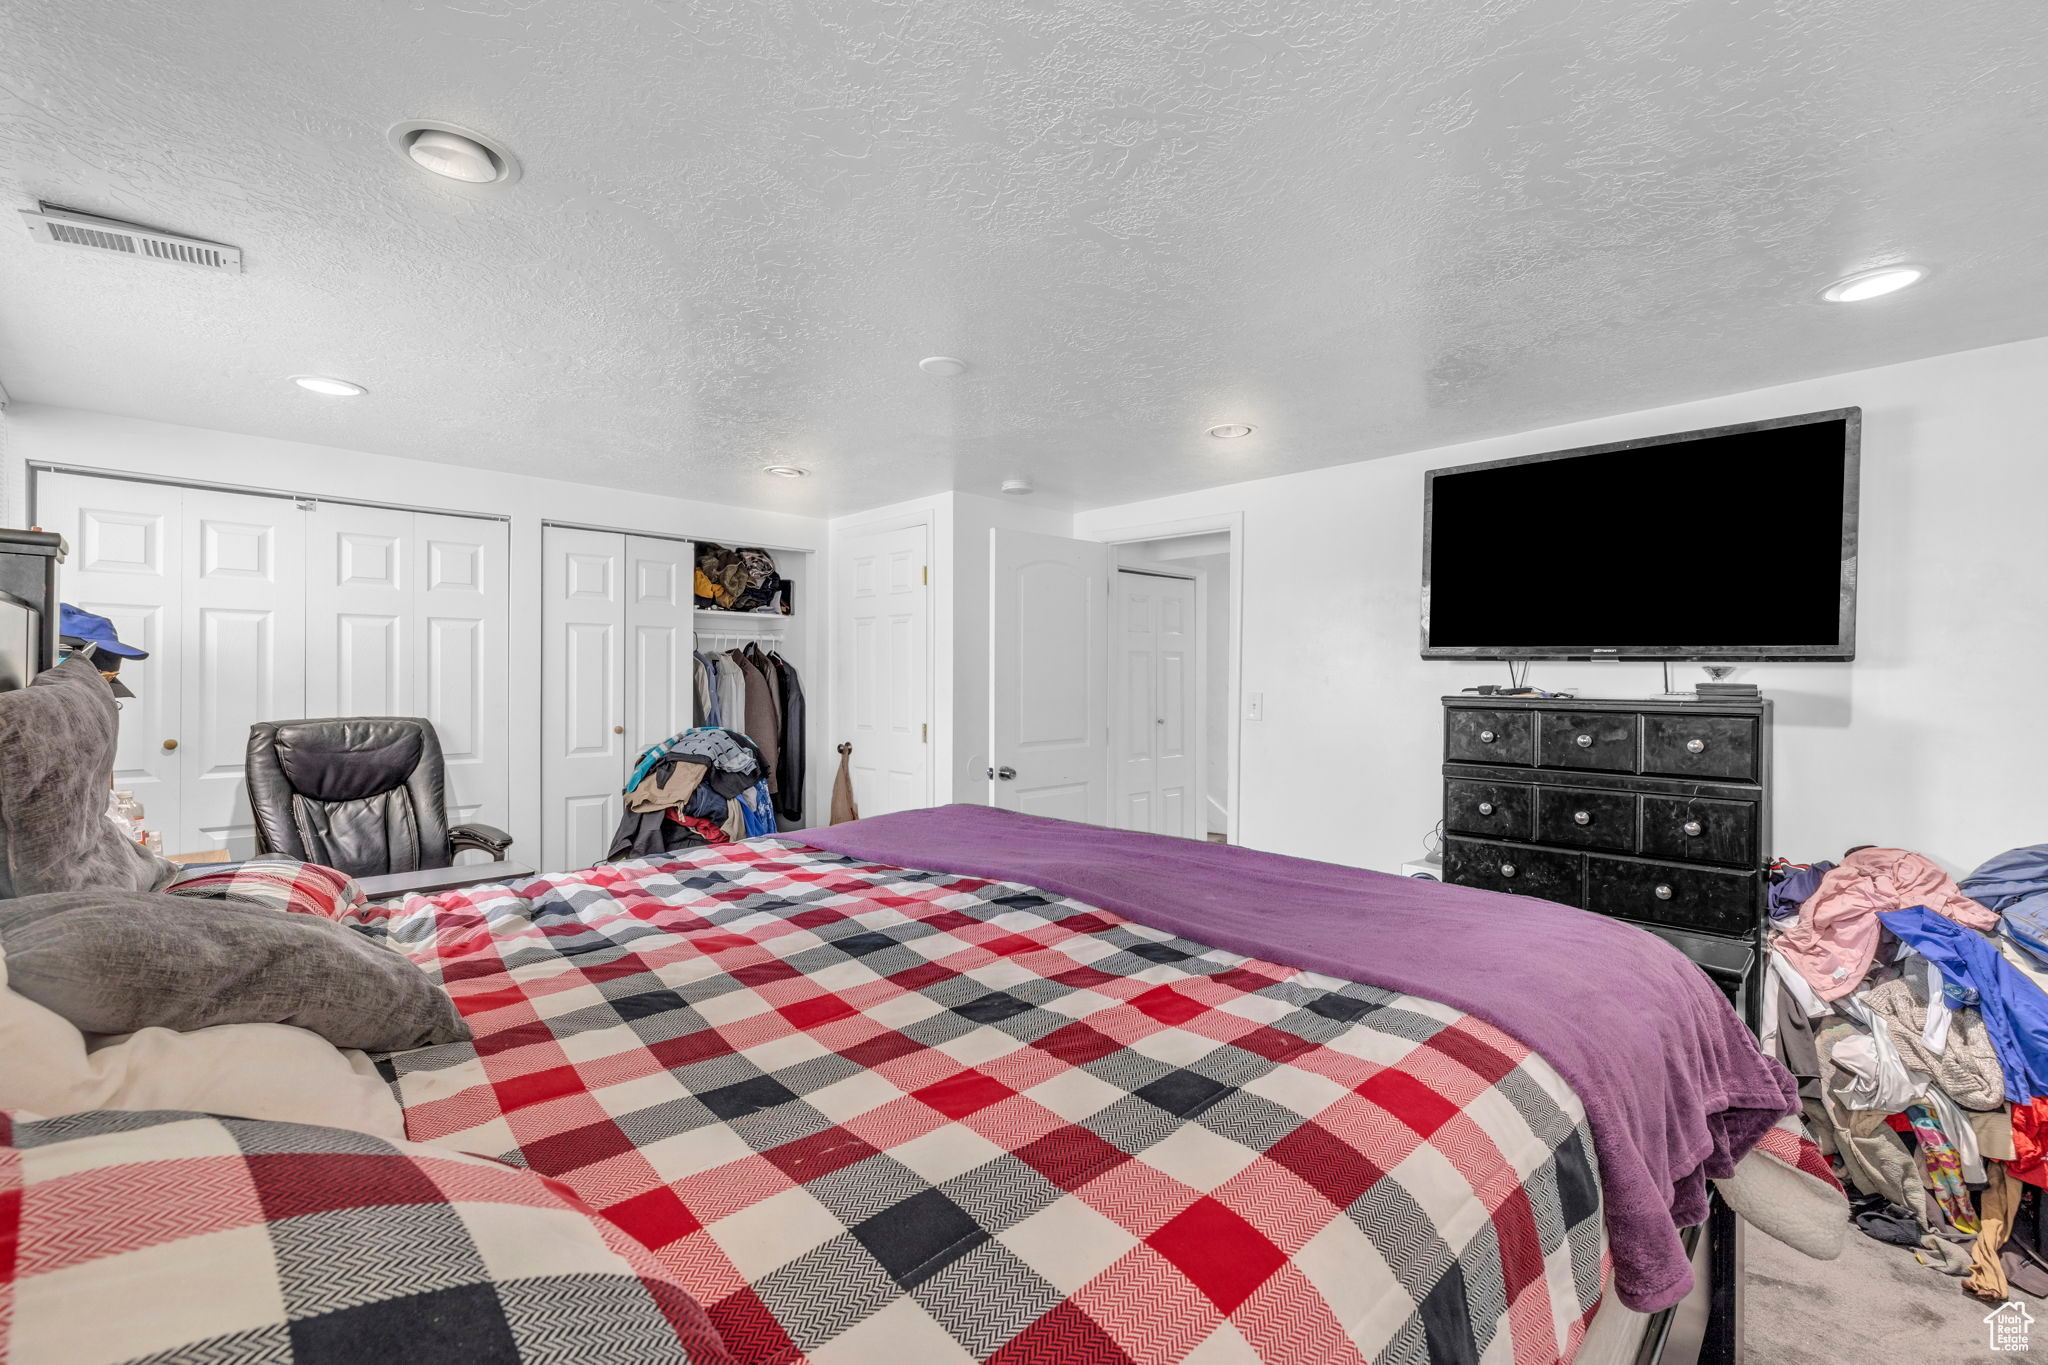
73	624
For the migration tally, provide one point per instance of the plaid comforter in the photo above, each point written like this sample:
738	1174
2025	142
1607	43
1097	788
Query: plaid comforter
875	1115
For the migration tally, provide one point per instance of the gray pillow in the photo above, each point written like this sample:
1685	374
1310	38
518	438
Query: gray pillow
56	752
118	961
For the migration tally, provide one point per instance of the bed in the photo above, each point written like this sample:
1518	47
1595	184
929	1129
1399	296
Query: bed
965	1086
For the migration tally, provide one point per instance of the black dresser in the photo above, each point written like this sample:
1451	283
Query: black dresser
1653	811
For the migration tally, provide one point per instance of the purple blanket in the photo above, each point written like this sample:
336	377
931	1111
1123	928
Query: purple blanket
1675	1087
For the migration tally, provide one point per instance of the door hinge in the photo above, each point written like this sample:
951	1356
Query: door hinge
924	732
925	575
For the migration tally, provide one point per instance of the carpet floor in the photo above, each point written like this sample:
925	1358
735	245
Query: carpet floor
1874	1304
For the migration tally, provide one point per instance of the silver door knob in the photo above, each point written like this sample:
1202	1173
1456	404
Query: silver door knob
1663	891
1486	807
1582	817
1693	828
1487	737
1507	869
1695	746
1006	773
1584	741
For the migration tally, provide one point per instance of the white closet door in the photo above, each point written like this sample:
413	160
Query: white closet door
360	576
126	564
884	667
243	652
1152	704
462	658
583	621
659	637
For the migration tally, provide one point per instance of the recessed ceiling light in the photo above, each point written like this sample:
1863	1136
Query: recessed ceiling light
458	154
944	366
1873	284
786	471
333	388
1229	431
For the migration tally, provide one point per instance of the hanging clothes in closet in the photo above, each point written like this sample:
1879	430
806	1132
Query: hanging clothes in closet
791	763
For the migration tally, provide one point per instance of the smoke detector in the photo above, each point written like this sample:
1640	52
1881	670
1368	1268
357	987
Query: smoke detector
1019	487
64	227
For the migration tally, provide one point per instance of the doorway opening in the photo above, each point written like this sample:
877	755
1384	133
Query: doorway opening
1171	685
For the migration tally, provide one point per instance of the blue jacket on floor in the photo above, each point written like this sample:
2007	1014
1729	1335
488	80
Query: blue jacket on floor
2014	1009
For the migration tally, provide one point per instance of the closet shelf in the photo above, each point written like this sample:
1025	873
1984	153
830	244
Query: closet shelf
759	619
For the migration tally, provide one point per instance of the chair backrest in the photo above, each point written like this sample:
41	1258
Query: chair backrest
366	794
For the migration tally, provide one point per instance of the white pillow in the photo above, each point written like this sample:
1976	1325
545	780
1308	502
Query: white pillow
257	1071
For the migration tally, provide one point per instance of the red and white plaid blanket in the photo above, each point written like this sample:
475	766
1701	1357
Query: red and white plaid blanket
875	1115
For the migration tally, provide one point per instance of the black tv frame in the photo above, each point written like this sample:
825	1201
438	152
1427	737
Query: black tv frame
1841	651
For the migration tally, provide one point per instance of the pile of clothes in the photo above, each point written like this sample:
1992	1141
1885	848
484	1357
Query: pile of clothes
740	580
703	786
1911	1008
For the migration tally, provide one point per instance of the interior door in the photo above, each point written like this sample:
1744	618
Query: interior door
1049	675
1152	705
884	666
660	686
360	573
243	653
126	564
460	629
583	621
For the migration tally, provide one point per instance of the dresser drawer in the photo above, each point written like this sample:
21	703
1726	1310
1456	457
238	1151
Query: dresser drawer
1700	746
1545	873
1504	810
1603	740
1665	893
1589	819
1700	830
1489	737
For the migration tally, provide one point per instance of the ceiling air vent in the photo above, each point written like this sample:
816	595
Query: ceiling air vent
63	227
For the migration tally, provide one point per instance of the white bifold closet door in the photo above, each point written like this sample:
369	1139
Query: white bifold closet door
260	608
407	616
615	669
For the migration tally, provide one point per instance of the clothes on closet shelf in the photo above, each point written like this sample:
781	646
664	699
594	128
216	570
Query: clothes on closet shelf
743	580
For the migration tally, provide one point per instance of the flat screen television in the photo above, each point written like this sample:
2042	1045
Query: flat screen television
1734	543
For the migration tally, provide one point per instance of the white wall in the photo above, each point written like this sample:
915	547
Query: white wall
46	435
1928	740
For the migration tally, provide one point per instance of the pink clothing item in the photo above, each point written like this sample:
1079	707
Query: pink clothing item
1835	937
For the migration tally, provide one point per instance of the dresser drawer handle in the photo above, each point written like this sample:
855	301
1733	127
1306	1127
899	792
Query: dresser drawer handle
1695	746
1663	891
1486	807
1693	828
1582	817
1584	741
1507	869
1487	736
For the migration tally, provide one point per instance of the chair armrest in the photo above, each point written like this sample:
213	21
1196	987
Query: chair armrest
489	838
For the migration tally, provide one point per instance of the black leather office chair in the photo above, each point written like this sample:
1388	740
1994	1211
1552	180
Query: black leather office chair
366	794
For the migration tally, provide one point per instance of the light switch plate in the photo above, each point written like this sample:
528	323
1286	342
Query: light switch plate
1255	706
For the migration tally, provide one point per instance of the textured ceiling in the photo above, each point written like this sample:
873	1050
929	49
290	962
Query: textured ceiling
1363	226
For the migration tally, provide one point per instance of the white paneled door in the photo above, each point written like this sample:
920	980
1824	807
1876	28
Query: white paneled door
1048	693
583	721
127	564
660	686
1152	689
259	608
407	615
884	666
243	652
